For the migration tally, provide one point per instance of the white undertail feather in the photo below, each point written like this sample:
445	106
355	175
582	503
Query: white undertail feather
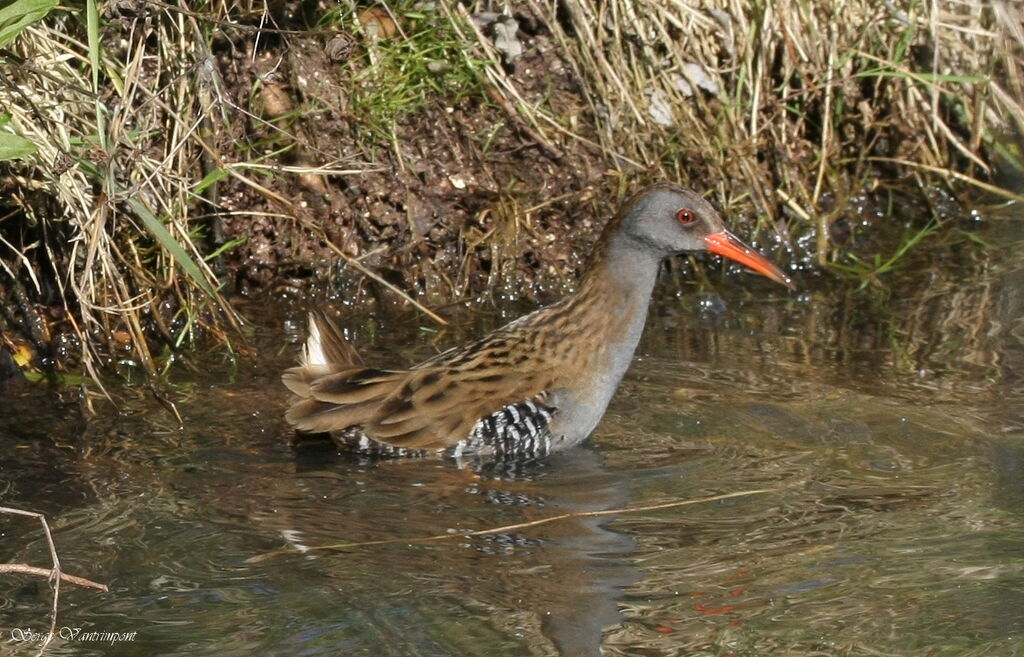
313	352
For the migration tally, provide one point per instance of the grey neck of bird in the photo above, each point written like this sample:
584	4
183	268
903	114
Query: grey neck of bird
625	273
617	290
611	308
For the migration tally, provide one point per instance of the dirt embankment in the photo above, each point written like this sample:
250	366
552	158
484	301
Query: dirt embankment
452	197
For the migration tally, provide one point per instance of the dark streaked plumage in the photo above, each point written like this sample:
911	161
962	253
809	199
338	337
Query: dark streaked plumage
538	384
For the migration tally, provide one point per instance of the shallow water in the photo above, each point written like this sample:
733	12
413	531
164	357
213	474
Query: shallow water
889	432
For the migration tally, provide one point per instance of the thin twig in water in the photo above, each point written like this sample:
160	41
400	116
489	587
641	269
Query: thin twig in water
54	573
25	569
523	525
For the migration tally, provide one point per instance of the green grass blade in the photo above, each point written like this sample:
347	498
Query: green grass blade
209	179
18	15
167	241
224	248
14	146
92	27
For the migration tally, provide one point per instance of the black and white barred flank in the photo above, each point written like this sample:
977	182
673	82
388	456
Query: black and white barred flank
517	431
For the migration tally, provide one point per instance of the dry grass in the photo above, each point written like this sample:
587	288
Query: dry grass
799	105
106	211
783	110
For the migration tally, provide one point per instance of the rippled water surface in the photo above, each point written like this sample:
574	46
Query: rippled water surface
888	430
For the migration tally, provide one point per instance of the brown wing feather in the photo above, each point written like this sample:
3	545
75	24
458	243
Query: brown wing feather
432	406
438	407
315	416
339	400
298	379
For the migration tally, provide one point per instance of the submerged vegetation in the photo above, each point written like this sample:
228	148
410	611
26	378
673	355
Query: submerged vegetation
158	158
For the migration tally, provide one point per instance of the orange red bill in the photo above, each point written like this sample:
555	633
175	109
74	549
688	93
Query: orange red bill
729	246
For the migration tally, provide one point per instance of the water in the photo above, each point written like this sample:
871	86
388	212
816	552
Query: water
890	431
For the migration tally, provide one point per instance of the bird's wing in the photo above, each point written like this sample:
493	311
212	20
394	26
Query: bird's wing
432	406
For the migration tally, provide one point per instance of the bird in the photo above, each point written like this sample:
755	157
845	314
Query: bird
538	384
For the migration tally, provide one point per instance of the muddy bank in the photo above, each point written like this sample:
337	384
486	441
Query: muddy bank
450	198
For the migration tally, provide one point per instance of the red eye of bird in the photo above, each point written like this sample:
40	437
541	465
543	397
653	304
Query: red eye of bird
685	216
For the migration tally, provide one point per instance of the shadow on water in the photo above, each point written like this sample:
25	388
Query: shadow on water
893	435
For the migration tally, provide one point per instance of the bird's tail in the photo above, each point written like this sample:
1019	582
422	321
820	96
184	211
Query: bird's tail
327	346
333	388
326	352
